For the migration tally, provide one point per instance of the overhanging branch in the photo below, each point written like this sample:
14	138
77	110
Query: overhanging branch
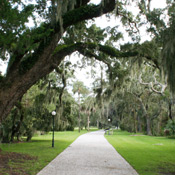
90	50
152	84
88	12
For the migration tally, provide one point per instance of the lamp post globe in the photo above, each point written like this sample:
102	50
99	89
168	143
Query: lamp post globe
53	113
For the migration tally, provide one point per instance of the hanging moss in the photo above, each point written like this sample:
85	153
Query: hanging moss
110	51
59	48
67	49
168	55
90	48
44	33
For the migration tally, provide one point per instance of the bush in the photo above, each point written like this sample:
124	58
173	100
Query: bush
170	127
166	132
127	124
70	128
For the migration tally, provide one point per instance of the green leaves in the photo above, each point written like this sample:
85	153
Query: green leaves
80	88
13	16
171	127
168	52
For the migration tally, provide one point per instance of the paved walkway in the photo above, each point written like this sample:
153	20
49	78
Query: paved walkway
90	154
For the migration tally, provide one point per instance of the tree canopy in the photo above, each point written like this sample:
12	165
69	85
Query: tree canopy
61	28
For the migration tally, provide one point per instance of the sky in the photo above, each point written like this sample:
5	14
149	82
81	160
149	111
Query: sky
102	22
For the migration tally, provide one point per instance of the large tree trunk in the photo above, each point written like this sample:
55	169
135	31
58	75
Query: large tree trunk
148	120
16	129
170	110
148	125
135	121
139	124
15	84
159	125
98	124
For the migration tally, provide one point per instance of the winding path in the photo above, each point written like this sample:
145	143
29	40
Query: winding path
89	154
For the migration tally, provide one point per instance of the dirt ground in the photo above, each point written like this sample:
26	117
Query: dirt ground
12	163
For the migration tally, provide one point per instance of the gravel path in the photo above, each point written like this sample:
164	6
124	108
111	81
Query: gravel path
90	154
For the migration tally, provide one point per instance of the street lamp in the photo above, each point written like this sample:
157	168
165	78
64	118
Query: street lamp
53	114
109	125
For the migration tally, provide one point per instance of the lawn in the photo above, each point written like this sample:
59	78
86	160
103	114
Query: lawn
39	153
147	154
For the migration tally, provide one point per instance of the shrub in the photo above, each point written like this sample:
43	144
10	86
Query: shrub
170	127
70	128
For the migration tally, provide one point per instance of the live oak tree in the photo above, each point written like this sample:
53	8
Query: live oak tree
36	52
81	90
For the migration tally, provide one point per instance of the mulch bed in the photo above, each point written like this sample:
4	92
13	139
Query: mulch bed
12	163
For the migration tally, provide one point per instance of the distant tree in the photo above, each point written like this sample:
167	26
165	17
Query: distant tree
81	90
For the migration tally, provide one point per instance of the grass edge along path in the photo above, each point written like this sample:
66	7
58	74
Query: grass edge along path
31	157
148	155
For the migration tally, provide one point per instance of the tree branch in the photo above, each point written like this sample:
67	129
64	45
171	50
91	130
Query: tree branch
81	3
156	114
52	36
87	12
151	85
129	20
89	49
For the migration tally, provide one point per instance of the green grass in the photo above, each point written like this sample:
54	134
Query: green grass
40	146
147	154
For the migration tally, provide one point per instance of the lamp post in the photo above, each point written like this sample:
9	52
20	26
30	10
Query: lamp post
109	125
53	114
109	122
